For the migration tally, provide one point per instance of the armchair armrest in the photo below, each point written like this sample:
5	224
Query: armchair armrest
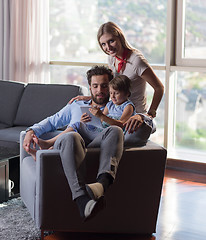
50	183
47	163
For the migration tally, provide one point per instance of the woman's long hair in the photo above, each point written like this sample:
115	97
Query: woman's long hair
114	30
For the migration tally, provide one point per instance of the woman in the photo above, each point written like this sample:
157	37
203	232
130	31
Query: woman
126	60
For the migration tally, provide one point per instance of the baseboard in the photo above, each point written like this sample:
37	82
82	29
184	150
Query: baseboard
189	166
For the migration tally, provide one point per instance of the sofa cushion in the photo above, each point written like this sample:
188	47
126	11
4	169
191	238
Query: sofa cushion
42	100
11	134
3	125
12	147
10	95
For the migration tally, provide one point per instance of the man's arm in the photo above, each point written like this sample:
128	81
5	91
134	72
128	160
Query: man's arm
28	140
49	124
52	123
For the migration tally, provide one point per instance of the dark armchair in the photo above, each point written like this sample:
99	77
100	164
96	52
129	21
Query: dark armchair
132	201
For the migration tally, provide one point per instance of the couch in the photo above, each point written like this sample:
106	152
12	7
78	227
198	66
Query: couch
22	105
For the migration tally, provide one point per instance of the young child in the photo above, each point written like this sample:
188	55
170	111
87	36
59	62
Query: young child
117	111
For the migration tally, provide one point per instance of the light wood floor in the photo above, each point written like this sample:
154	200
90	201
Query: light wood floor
182	214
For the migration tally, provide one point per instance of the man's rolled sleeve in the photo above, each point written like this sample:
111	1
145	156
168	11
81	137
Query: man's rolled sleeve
52	123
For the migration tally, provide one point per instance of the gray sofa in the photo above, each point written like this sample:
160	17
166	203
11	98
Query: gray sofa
22	105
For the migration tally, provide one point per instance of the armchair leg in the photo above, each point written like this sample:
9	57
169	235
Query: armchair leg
42	234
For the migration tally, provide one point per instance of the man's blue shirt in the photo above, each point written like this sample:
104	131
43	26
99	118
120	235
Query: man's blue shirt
70	114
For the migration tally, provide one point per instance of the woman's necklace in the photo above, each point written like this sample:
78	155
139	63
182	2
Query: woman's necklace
122	60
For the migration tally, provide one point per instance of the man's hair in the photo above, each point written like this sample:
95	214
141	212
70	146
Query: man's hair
99	70
121	83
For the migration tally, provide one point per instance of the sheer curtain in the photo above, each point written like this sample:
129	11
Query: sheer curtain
4	39
25	40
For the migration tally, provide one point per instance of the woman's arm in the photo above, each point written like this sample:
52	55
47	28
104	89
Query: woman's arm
127	113
150	77
133	123
80	97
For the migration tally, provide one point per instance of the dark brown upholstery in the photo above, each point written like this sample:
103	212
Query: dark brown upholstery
132	201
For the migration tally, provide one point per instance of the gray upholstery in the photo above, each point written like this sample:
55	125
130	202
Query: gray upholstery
3	125
10	95
42	100
22	105
132	201
11	134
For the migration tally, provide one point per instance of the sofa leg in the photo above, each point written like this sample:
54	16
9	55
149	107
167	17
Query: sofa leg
42	234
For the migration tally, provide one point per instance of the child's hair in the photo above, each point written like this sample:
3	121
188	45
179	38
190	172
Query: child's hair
121	83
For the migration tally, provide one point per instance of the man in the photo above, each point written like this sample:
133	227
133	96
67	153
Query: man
89	198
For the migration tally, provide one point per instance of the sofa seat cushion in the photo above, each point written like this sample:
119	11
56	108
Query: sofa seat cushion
10	95
11	134
3	125
42	100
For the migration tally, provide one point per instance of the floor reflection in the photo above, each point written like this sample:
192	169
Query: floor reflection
182	212
98	236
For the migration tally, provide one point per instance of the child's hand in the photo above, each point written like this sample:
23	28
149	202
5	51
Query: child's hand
96	111
85	117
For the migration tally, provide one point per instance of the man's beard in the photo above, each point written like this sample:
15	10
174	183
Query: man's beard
100	101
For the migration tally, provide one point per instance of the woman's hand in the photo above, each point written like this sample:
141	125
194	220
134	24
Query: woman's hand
80	97
133	123
149	115
85	118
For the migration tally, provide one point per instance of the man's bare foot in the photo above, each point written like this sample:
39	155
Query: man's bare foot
32	152
43	144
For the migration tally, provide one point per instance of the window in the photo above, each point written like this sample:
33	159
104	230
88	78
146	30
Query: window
190	127
191	34
158	136
188	140
74	25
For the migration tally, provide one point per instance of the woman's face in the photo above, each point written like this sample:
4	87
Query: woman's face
111	45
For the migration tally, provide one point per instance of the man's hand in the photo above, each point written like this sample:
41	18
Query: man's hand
133	123
28	140
85	118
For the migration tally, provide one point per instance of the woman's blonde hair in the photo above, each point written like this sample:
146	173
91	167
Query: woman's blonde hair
114	30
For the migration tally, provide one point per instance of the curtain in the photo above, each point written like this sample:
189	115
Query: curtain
26	57
4	39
